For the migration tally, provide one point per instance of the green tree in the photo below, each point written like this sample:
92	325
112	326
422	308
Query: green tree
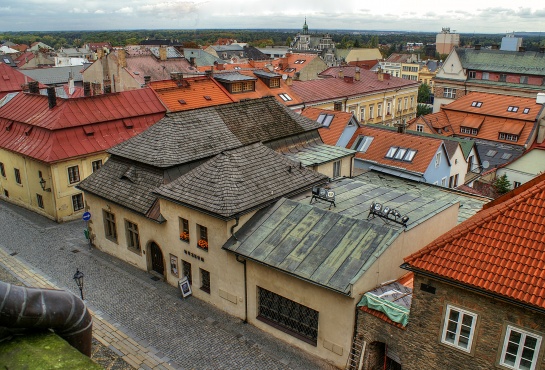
288	41
423	109
501	184
423	93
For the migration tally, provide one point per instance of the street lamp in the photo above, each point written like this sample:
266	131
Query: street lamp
78	277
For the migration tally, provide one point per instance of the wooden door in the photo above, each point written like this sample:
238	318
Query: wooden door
157	261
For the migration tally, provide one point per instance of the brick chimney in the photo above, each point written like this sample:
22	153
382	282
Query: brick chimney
147	80
380	75
121	58
51	97
289	81
357	74
341	73
348	79
86	89
163	53
33	87
100	53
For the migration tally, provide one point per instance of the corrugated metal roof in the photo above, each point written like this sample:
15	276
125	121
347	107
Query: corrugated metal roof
527	62
54	75
315	155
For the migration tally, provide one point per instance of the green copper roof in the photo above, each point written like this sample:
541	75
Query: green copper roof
519	62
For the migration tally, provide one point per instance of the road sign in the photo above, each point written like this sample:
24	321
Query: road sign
86	216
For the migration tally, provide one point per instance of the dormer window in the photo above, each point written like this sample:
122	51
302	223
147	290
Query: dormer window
477	104
508	137
468	130
512	108
325	119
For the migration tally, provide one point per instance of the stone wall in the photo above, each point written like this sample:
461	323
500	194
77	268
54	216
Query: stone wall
419	346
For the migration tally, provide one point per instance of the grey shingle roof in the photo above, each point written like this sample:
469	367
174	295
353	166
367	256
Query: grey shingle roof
54	75
319	154
126	183
239	180
527	62
201	133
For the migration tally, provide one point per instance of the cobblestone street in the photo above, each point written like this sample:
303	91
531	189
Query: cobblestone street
184	334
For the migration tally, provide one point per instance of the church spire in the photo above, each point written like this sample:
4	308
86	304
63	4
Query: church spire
305	27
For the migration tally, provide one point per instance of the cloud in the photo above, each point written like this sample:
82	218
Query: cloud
171	9
78	11
125	10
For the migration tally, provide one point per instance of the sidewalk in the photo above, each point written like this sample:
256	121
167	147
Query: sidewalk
133	353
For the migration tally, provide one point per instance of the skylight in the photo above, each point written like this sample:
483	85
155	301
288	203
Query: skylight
401	154
491	153
325	119
285	97
6	60
526	110
512	108
506	155
477	104
363	143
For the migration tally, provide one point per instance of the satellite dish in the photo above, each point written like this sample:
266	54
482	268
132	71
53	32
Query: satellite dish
284	77
486	164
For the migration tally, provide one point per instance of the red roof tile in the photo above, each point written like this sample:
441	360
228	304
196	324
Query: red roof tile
499	250
11	80
77	126
330	135
425	147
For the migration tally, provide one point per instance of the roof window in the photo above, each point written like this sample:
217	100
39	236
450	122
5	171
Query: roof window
512	108
182	101
288	70
325	119
477	104
491	153
526	110
285	97
207	97
506	155
401	154
363	143
300	61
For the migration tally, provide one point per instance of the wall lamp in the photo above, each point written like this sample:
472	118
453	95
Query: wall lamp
42	184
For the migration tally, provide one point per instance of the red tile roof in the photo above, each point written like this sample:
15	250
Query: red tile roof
499	250
335	88
11	80
195	92
330	135
76	126
425	147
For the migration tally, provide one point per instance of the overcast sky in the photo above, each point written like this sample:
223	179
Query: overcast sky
464	16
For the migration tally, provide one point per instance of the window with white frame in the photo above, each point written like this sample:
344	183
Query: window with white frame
472	74
437	159
444	181
362	113
520	349
459	328
389	108
336	169
449	92
405	103
509	137
420	128
362	143
486	76
412	102
371	113
379	110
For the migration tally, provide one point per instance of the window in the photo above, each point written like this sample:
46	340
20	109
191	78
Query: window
285	97
520	349
338	105
379	110
420	128
133	239
486	76
523	79
491	153
363	143
391	152
477	104
516	184
437	159
205	281
506	155
371	113
325	119
509	137
402	154
472	74
399	104
362	113
336	169
77	202
405	103
388	108
512	108
236	87
110	230
17	175
274	82
289	316
248	86
184	230
444	181
40	200
2	170
459	328
526	111
503	77
412	102
449	93
6	193
467	130
73	174
203	237
186	271
96	164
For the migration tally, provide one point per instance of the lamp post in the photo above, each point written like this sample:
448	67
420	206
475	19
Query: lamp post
78	277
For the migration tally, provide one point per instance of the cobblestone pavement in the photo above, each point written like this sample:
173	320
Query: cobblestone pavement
180	334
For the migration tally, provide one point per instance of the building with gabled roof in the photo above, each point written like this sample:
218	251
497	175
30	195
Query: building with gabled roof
12	80
34	59
512	73
48	144
299	66
337	127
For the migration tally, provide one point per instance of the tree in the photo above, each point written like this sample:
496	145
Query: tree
423	93
501	184
288	41
423	109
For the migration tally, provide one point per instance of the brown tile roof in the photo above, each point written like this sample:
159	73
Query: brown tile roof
148	65
330	135
292	63
336	88
384	139
190	93
499	250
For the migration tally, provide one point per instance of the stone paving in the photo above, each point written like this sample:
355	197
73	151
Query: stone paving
142	320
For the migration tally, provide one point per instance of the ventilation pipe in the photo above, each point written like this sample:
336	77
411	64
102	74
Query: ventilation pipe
34	308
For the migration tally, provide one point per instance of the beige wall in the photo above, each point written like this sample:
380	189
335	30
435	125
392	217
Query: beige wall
311	70
327	168
57	200
120	79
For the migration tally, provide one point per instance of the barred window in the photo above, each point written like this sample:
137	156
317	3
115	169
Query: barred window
236	87
133	239
205	281
109	225
77	202
248	86
73	174
40	200
288	316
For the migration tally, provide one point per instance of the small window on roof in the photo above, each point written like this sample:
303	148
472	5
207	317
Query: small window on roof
506	155
391	152
182	101
288	70
477	104
285	97
526	110
491	153
400	153
6	60
512	108
363	143
325	119
207	97
409	155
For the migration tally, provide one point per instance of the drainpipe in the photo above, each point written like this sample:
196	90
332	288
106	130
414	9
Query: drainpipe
243	261
233	228
62	311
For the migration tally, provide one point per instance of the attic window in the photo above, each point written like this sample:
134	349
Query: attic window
6	60
477	104
468	130
506	155
491	153
288	70
207	97
28	130
526	110
88	130
285	97
512	109
325	119
508	137
8	126
300	61
182	101
363	143
401	154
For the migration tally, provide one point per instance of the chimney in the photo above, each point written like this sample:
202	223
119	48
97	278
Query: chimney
387	76
289	81
71	85
401	128
147	80
51	97
540	99
121	58
100	53
542	49
107	89
477	46
380	75
220	67
163	53
209	72
341	73
348	79
495	47
86	89
357	74
192	61
33	87
522	48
